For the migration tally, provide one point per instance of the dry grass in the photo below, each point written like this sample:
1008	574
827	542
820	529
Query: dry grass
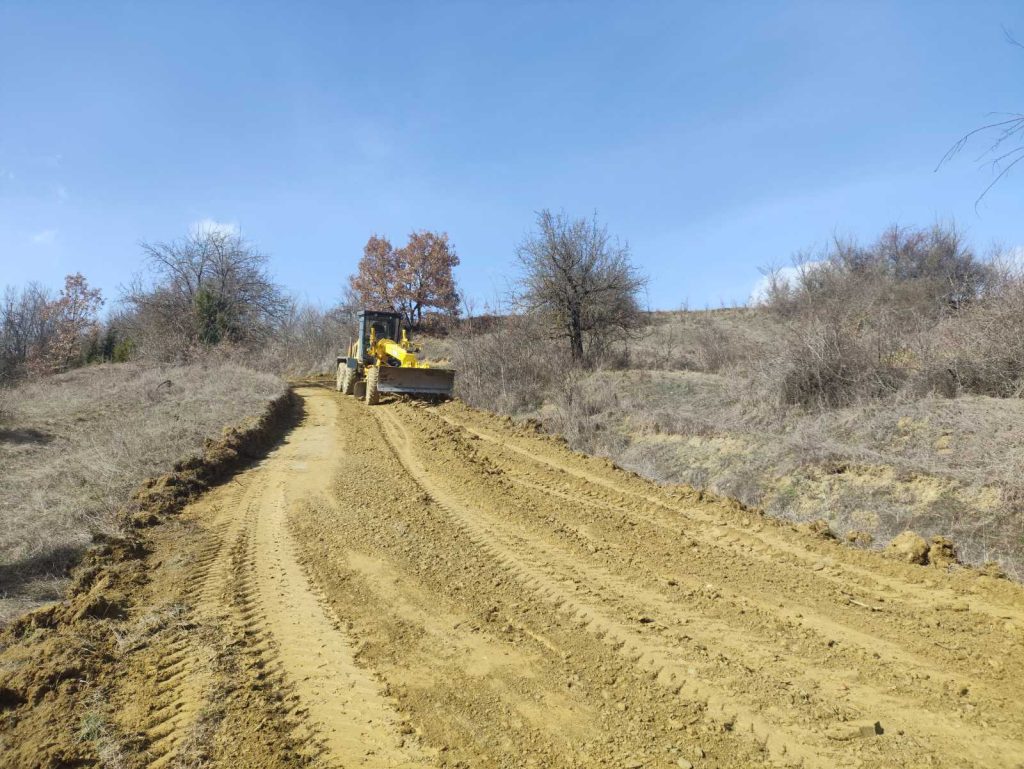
710	341
74	446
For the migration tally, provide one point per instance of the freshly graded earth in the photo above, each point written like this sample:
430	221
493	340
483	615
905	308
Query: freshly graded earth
411	586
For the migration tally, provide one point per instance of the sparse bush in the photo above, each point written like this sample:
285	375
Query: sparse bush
916	310
982	349
717	349
821	364
507	368
581	408
711	341
307	341
663	345
6	412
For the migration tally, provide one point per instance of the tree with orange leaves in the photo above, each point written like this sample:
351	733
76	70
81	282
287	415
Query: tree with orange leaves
69	319
409	280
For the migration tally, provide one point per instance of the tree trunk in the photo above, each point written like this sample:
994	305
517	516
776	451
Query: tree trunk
576	334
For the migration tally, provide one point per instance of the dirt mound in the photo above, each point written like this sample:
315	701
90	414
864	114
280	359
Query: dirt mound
913	548
430	586
909	547
238	445
942	552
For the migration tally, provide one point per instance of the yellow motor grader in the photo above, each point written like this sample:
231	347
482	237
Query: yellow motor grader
376	363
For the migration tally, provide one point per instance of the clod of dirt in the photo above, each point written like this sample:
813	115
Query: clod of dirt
820	528
942	552
105	605
857	537
144	518
910	547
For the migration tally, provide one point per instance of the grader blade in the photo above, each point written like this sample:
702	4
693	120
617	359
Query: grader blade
416	381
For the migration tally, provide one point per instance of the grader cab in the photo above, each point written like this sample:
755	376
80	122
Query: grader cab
383	360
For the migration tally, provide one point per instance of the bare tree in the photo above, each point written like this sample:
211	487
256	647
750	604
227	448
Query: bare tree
209	287
581	281
1005	135
25	328
74	318
1005	150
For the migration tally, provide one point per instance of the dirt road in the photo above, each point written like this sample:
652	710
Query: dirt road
406	586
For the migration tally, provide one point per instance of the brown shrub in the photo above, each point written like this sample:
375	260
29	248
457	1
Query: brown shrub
508	369
915	312
982	349
582	407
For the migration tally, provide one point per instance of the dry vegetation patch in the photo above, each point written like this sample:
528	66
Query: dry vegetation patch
74	446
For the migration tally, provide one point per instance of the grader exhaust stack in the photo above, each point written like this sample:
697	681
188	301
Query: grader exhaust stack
376	363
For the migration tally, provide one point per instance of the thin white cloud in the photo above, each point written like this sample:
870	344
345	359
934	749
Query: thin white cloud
45	237
783	275
204	226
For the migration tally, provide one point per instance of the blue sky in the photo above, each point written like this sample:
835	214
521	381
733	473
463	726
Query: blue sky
714	137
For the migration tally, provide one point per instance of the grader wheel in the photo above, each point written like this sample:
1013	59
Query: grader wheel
372	394
348	381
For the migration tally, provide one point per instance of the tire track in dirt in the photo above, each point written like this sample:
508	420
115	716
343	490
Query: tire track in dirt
284	617
344	700
569	701
182	679
901	621
543	578
556	567
767	543
242	588
784	612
